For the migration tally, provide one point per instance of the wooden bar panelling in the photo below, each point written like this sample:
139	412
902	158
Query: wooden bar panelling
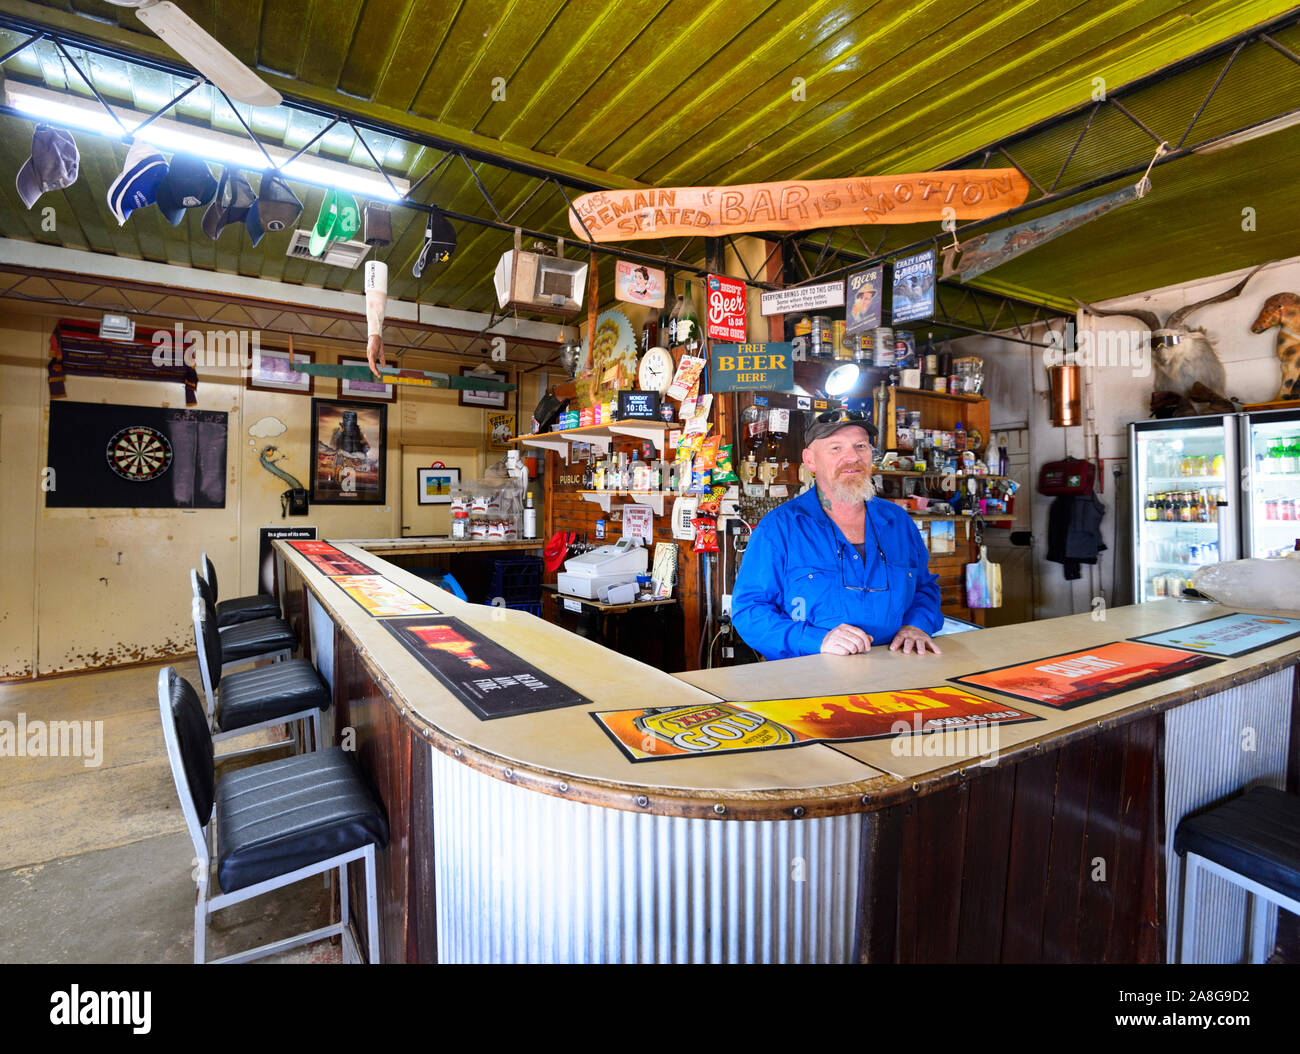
999	867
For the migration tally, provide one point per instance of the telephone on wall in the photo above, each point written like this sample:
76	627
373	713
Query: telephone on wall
293	502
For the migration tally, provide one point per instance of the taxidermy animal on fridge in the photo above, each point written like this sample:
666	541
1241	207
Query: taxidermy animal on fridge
1283	310
1182	356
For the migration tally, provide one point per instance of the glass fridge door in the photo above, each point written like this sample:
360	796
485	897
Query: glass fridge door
1271	441
1183	501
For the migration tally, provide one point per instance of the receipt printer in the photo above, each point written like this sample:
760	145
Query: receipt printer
609	565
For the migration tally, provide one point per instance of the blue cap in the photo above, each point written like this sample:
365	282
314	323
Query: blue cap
137	184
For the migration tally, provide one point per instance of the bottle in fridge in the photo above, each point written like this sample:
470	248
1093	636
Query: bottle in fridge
1183	477
1270	442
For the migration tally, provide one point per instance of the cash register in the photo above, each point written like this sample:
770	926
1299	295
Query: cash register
593	575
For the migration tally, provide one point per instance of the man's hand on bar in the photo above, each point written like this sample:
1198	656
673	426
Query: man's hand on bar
845	640
910	638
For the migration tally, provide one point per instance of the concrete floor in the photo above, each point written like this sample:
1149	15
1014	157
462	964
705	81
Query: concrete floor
95	861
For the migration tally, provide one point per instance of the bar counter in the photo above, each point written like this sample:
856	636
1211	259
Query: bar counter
534	838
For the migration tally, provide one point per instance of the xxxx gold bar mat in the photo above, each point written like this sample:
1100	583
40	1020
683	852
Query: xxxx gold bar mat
1076	677
380	598
489	680
663	733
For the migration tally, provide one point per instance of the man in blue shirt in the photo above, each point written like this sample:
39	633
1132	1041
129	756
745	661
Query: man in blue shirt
832	570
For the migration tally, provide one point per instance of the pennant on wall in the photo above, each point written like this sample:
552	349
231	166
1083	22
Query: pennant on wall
135	457
76	347
987	251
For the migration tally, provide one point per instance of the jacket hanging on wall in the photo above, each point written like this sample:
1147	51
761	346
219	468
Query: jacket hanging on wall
1074	532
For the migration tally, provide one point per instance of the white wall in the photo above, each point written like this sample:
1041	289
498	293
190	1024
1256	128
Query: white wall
1115	394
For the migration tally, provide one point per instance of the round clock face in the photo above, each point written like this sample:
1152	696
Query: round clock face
139	453
655	373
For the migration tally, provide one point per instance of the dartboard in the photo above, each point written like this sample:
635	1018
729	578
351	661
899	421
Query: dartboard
139	453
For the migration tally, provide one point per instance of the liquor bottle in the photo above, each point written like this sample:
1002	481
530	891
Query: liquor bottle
1151	511
929	363
670	328
689	333
650	332
530	518
1185	507
945	369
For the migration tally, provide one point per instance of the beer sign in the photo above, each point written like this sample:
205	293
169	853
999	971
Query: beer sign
726	308
751	367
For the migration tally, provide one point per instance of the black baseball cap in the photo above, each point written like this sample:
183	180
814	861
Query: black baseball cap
832	421
187	185
276	208
439	242
53	165
233	199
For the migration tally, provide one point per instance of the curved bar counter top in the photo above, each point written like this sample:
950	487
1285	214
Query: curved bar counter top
534	838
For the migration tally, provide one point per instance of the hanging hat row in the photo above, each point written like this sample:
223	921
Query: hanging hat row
148	178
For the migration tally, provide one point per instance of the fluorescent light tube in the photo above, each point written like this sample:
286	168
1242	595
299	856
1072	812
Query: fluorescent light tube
1287	120
69	111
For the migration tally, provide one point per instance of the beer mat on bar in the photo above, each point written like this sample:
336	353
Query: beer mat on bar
1227	635
330	561
710	728
489	680
1073	678
381	598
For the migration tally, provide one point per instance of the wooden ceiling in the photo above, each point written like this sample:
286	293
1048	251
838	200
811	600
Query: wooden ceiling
683	92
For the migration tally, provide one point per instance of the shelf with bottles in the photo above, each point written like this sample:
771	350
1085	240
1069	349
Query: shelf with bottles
939	474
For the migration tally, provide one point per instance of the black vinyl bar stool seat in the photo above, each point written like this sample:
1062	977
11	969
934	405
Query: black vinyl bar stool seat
246	641
237	609
1252	841
277	823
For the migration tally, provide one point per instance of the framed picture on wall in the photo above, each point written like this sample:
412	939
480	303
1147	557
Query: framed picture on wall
364	389
434	485
349	448
491	400
269	371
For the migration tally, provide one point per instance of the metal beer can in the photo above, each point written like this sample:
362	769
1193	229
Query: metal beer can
884	337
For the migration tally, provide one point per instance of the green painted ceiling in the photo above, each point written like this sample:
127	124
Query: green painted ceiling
680	92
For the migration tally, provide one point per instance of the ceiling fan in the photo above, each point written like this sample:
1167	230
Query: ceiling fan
202	51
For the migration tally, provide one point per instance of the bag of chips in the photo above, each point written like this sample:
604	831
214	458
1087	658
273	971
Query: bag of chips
722	470
706	534
709	506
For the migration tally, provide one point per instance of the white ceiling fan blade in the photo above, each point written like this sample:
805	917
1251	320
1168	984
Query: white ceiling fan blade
202	51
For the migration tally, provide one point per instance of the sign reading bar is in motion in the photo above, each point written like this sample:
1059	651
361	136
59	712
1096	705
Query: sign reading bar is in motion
800	205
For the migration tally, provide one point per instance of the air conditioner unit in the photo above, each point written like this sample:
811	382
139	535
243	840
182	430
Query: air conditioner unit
532	282
336	254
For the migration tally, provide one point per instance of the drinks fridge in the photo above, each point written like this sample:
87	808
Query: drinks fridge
1270	443
1186	496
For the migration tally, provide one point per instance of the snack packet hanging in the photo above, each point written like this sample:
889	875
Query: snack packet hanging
713	503
706	534
722	469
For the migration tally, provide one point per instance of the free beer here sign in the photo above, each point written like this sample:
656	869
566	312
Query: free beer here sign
751	367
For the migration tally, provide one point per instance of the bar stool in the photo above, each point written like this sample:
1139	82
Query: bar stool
237	609
1252	841
276	823
264	638
283	693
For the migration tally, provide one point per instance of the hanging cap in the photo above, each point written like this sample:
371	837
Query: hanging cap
439	242
338	221
137	184
53	165
276	208
187	185
233	200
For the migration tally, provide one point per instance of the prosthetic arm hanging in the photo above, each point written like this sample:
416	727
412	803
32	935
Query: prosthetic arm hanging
376	307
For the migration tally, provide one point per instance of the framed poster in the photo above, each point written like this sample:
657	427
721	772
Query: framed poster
434	485
501	429
492	400
364	389
269	371
349	447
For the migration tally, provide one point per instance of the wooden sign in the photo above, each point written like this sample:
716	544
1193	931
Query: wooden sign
919	197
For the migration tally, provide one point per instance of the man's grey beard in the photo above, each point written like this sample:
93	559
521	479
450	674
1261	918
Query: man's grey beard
845	492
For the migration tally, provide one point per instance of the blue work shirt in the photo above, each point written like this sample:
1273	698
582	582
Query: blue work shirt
800	578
